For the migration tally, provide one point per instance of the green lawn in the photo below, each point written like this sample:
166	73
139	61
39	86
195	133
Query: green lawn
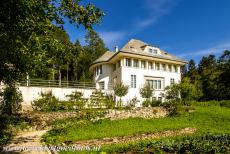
211	119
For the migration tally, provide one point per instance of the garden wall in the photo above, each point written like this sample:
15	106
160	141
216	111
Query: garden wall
29	94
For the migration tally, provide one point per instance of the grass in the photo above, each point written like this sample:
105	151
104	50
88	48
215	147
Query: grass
210	119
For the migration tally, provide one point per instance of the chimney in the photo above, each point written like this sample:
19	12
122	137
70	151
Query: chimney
116	48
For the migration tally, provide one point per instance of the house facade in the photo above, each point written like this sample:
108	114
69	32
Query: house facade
136	64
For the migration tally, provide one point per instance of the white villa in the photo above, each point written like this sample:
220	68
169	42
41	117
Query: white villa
134	65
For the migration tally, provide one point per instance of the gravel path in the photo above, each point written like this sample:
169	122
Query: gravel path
27	140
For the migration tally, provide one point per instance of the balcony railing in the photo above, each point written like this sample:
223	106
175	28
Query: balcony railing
57	83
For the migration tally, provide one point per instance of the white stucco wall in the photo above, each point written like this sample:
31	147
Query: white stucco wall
140	81
29	94
106	76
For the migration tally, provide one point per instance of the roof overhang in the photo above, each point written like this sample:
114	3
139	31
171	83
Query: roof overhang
121	54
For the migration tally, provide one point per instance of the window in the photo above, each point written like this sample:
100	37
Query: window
150	50
133	81
135	63
172	81
102	85
163	67
128	62
143	64
170	68
155	51
175	68
157	65
150	65
160	98
99	70
156	84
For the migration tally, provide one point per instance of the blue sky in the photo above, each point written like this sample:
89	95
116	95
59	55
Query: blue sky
189	29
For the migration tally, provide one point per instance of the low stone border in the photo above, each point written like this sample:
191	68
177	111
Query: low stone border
141	112
139	137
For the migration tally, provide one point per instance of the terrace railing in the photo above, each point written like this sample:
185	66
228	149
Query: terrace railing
57	83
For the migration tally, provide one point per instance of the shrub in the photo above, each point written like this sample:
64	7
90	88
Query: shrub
146	91
155	103
191	144
205	104
9	124
109	101
75	101
47	102
146	103
120	90
11	99
97	99
132	102
225	103
171	107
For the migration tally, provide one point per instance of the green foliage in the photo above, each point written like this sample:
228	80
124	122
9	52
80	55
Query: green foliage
61	126
98	99
211	77
95	44
120	90
75	101
152	103
9	125
172	93
205	103
146	91
225	103
26	32
223	81
212	119
210	143
47	102
109	101
10	100
155	103
171	107
132	102
146	103
183	92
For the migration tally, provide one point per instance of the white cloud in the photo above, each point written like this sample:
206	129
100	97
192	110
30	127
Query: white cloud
217	49
156	9
112	38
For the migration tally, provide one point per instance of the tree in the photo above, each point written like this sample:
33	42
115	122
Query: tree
146	91
191	65
11	100
93	49
173	93
224	76
183	92
95	44
27	31
207	69
120	90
